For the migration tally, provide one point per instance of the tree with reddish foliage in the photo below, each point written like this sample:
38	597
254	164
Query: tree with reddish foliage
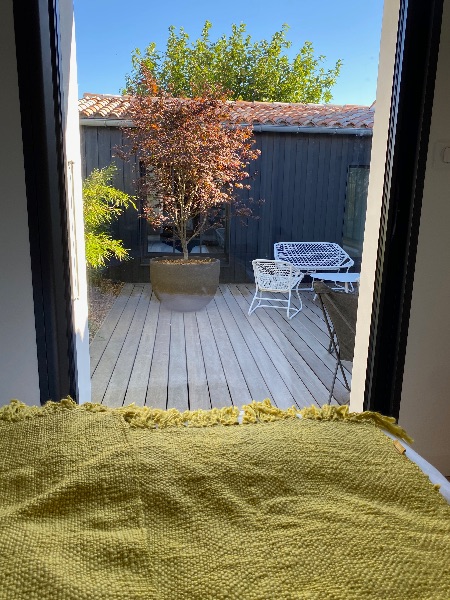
195	158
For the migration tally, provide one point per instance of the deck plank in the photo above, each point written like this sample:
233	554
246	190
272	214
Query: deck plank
159	369
117	386
216	357
177	390
138	383
301	356
237	384
314	337
105	368
249	367
217	384
196	374
318	321
282	353
313	316
275	388
101	340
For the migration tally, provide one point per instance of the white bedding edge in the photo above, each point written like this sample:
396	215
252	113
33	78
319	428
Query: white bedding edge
433	474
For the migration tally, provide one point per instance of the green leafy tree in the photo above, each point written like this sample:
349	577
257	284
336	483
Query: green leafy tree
247	69
102	204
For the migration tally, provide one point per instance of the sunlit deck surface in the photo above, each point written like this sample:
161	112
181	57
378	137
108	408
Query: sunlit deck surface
216	357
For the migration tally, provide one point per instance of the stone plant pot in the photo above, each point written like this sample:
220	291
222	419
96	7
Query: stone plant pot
184	286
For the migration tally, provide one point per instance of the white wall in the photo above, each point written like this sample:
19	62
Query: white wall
425	404
74	196
18	353
376	180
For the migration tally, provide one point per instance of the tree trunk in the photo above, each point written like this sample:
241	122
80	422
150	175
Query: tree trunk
185	249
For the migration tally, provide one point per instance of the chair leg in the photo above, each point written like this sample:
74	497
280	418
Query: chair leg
338	365
330	345
334	381
288	309
258	300
298	296
343	374
295	311
255	297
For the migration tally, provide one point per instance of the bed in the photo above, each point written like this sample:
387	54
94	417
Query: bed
140	503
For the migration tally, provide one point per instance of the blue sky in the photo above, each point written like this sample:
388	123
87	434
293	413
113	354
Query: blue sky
107	31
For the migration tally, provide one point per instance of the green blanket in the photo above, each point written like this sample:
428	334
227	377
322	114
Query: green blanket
140	504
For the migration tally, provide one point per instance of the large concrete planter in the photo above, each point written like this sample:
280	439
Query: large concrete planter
184	286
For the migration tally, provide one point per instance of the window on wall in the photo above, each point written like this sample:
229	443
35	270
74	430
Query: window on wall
355	209
160	240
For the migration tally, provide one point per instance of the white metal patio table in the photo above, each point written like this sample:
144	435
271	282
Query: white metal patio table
312	257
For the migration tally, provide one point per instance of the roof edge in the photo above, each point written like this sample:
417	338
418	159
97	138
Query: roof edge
105	122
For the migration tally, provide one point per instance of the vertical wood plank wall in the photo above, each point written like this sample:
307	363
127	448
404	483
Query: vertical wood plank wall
300	179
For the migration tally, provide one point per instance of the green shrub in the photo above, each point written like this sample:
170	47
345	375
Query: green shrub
102	204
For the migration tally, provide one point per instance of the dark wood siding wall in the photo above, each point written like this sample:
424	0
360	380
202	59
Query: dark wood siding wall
300	177
302	180
98	146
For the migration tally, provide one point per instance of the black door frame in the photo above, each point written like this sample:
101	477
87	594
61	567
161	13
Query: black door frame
412	99
407	149
38	64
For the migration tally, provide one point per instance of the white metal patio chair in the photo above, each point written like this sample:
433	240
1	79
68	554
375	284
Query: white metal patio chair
276	276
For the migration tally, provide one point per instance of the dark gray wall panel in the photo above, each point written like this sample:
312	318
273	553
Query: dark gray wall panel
301	179
98	147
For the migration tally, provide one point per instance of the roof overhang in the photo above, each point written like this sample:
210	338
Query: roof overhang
96	122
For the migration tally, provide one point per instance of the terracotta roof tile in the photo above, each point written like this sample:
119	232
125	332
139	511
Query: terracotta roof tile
99	106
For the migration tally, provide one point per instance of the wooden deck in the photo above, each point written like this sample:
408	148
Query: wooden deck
216	357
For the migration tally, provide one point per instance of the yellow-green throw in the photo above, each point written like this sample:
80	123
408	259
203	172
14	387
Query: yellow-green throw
136	503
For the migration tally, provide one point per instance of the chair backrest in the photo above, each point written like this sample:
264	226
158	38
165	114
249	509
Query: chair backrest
341	309
275	275
313	255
